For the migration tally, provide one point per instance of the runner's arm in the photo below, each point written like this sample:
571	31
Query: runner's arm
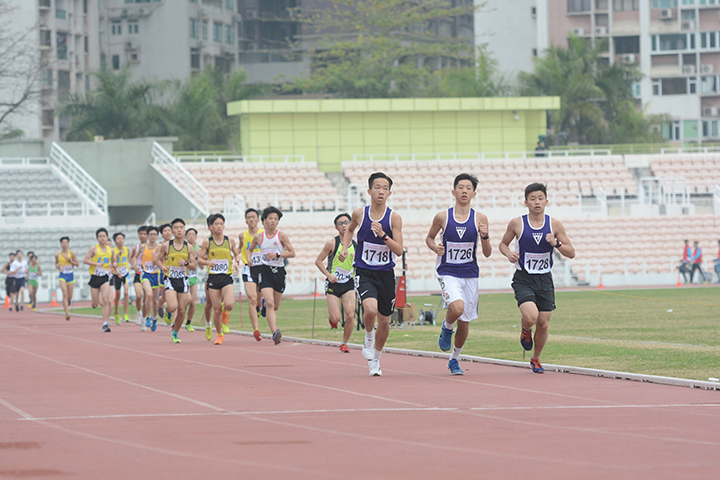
57	261
435	228
509	236
74	260
349	233
566	249
159	256
289	250
203	253
319	261
255	242
88	257
395	244
484	231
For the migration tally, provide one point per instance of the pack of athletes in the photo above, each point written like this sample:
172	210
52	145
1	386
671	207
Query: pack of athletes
533	278
375	263
271	273
220	274
177	261
123	266
250	274
100	275
457	267
343	271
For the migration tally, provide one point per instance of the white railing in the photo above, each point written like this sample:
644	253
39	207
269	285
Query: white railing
83	182
24	161
234	206
151	219
23	208
398	157
180	178
293	203
688	149
241	158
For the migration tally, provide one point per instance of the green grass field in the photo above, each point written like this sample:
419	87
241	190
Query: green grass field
672	332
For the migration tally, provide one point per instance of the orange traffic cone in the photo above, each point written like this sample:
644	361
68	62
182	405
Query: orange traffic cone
54	302
7	301
601	284
679	283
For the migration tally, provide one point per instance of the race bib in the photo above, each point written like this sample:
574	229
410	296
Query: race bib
221	266
376	255
177	272
100	272
150	267
342	275
192	274
256	258
66	269
123	271
537	262
459	252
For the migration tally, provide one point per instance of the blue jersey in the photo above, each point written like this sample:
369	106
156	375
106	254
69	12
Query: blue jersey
535	252
460	241
371	252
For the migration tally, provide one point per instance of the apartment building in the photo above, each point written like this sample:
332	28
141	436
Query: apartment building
674	43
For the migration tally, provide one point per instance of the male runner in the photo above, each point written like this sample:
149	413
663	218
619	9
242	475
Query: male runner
18	270
219	254
249	274
65	261
9	280
339	284
174	259
167	234
34	272
456	265
150	279
120	275
102	262
191	237
137	277
537	234
378	242
274	246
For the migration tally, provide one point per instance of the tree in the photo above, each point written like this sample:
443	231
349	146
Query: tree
20	69
380	48
482	80
117	108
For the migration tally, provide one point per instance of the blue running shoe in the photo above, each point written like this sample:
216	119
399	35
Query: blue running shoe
263	310
526	339
454	367
445	339
148	321
536	367
154	324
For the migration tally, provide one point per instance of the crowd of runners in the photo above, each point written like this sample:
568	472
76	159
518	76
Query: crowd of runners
358	263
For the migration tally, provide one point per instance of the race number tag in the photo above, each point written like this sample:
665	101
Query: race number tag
376	255
221	266
66	269
150	267
192	274
100	272
123	271
256	258
342	275
459	252
177	272
537	262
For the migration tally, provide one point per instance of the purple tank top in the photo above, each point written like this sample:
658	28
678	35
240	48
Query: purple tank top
371	252
535	252
460	241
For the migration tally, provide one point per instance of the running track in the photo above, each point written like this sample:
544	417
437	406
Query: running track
77	403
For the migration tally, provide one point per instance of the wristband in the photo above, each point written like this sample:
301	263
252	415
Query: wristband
277	255
385	237
558	244
487	237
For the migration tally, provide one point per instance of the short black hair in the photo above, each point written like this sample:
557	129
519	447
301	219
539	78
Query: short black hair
177	220
152	228
11	254
377	175
211	219
18	251
466	176
118	234
162	227
340	216
142	228
270	210
535	187
190	230
251	210
64	238
99	231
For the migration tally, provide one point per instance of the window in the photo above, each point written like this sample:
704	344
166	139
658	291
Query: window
46	78
205	30
601	4
625	5
87	83
664	3
193	1
709	2
47	118
692	85
575	6
688	2
85	6
708	40
61	40
217	32
636	90
674	86
710	128
229	5
534	52
46	38
195	61
194	28
116	28
229	34
116	62
688	14
85	44
60	13
132	27
673	42
602	20
627	45
656	85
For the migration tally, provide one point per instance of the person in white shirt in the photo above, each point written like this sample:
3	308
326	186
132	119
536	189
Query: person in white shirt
18	270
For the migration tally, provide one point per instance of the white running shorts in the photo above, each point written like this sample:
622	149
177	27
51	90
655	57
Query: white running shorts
465	289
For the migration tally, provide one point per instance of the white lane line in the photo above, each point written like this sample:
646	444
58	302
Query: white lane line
25	415
588	407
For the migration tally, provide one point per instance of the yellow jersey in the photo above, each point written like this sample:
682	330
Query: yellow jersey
65	265
121	257
247	240
148	264
173	260
101	257
222	255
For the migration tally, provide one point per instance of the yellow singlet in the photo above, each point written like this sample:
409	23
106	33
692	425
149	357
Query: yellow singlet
148	265
173	260
247	240
121	256
101	257
64	263
222	256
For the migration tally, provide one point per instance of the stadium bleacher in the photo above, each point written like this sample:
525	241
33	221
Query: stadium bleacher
36	191
701	171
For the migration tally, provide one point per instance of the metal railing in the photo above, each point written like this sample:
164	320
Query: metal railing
44	209
291	203
24	161
234	206
460	156
76	176
211	158
179	177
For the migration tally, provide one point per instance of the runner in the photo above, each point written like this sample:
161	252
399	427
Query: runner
249	274
174	258
150	279
537	234
274	246
137	277
191	237
102	262
166	233
338	284
65	261
378	242
219	254
34	272
18	270
120	275
456	265
9	280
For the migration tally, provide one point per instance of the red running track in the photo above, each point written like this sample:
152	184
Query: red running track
77	403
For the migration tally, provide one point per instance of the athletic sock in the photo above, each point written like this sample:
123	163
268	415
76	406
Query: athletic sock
377	354
104	324
208	324
455	353
369	338
446	326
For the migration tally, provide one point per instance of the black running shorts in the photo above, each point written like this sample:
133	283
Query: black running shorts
338	289
98	281
536	288
218	281
379	285
179	285
271	277
118	282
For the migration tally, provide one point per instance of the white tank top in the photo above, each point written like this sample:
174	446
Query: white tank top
271	247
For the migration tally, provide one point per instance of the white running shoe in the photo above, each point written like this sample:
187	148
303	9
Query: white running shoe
368	351
375	368
142	326
138	318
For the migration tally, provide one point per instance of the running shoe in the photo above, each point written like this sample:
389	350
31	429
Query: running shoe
153	327
174	336
34	309
225	328
368	350
148	321
526	339
143	327
161	312
225	316
257	336
445	339
344	348
375	370
454	367
69	303
138	318
67	316
29	305
189	327
106	328
168	320
117	319
536	367
208	333
332	325
17	309
22	308
277	337
169	316
219	339
126	318
263	310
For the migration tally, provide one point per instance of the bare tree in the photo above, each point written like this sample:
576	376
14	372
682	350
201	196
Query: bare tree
20	69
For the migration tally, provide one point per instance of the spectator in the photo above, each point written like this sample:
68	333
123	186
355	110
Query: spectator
697	263
9	281
717	264
685	266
